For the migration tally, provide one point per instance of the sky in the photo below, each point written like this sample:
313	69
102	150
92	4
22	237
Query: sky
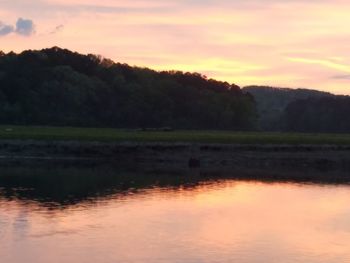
285	43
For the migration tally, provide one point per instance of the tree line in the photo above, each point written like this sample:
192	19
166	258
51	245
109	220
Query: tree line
59	87
63	88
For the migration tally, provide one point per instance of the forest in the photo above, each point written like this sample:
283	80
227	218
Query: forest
300	110
58	87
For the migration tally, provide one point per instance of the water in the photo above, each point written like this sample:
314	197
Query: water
95	215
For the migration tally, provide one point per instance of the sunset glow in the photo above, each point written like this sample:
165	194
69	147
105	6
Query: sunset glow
294	43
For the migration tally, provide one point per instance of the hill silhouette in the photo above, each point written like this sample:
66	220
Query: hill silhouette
59	87
272	102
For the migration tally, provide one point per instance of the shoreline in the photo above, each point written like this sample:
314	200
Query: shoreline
180	154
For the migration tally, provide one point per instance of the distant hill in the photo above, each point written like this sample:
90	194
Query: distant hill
324	115
59	87
272	102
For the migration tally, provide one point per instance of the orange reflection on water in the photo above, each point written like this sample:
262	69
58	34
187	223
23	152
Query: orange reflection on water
226	221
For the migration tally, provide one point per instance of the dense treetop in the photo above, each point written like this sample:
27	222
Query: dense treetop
60	87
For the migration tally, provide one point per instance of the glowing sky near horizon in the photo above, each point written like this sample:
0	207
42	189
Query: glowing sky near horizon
289	43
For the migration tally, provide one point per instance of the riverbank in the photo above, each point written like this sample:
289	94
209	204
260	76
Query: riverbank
179	154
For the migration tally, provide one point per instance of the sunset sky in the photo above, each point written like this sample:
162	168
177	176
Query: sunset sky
289	43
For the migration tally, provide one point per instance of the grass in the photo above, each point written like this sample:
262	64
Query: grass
117	135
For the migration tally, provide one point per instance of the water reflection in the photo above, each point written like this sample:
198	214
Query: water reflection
59	186
55	187
104	214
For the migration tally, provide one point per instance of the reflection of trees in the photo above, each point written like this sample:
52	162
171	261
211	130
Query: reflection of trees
59	186
66	186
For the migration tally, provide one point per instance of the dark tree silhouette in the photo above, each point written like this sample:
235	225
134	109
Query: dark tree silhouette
59	87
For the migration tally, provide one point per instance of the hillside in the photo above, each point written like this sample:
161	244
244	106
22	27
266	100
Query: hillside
59	87
323	115
272	102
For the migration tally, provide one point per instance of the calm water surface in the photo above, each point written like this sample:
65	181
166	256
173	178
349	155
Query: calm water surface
103	217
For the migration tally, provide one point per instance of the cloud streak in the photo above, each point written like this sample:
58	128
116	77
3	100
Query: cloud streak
24	27
341	77
6	29
324	63
57	29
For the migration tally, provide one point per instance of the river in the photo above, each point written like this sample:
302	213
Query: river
105	215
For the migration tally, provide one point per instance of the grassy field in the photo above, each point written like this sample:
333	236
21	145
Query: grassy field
116	135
